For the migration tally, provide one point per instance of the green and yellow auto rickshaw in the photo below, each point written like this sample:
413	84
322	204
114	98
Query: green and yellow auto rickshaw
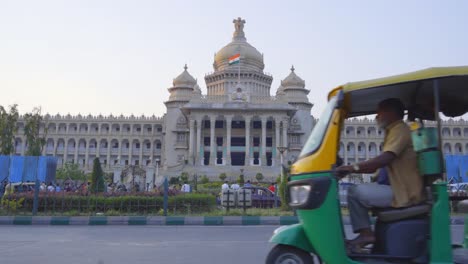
416	234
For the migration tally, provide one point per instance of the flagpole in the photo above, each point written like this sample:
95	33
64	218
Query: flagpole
238	80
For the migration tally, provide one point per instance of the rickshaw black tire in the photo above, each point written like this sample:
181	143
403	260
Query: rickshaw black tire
280	251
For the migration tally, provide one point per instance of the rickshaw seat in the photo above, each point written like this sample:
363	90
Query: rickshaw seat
394	214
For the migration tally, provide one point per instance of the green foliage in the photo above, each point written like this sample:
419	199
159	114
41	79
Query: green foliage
184	177
283	191
259	176
12	204
222	176
174	180
34	139
241	179
119	205
195	183
70	171
8	129
97	177
204	179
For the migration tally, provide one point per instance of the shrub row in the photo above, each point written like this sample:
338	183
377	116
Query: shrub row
188	203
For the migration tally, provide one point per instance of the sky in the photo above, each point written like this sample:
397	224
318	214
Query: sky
119	57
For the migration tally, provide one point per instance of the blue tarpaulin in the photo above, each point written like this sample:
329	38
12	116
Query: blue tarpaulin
28	168
456	168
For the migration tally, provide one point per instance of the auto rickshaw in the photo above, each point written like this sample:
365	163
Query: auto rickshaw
416	234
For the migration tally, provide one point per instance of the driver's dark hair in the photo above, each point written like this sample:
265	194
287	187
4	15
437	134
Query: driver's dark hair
395	105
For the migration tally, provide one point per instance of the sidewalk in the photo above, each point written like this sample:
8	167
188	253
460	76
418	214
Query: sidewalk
162	220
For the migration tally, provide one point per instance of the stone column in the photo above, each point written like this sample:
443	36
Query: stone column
140	156
285	134
199	145
247	140
119	157
86	154
191	137
277	138
228	139
65	151
152	158
263	146
109	147
345	153
212	141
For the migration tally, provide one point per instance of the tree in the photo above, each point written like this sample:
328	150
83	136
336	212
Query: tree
97	177
184	177
259	176
34	140
222	176
70	171
204	179
241	179
8	129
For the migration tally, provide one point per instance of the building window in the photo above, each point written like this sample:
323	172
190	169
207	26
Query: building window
148	162
238	124
219	141
138	129
137	162
256	160
206	124
149	129
158	146
219	157
126	162
137	145
219	124
206	141
269	124
269	142
257	124
117	129
148	145
180	137
159	129
256	141
128	129
127	145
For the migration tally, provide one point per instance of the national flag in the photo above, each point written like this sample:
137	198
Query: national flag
234	59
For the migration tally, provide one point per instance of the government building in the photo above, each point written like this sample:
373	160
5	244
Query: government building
237	127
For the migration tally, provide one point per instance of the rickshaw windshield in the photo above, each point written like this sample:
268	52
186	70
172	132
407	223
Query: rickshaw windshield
316	137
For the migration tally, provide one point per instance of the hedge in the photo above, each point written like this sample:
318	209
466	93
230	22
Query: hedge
186	203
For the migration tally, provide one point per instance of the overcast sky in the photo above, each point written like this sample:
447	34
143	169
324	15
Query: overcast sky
104	57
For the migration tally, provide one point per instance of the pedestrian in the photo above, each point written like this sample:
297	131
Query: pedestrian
50	187
185	188
235	186
272	187
248	184
57	188
225	186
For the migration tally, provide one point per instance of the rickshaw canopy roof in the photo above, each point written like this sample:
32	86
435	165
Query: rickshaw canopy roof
414	89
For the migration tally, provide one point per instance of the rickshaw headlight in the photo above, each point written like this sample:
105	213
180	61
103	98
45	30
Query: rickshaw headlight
299	194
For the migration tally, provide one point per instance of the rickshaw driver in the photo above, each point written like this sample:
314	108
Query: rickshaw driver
406	185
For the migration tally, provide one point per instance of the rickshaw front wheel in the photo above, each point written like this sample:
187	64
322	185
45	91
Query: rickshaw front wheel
282	254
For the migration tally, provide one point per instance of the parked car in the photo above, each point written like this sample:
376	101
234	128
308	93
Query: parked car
262	197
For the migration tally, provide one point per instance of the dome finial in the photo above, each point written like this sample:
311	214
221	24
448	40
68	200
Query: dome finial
292	68
239	29
185	67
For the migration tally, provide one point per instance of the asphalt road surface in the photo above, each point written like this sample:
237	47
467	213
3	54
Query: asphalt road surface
139	244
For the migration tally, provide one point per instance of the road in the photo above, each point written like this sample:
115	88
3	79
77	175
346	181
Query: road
139	244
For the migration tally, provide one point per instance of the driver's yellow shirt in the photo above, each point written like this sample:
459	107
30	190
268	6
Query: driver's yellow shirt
407	184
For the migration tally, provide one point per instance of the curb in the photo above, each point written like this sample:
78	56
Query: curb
166	220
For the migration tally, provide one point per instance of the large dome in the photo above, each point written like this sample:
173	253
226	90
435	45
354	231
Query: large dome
250	57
